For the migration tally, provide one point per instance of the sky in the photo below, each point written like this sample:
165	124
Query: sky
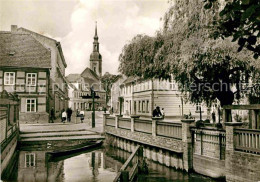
72	22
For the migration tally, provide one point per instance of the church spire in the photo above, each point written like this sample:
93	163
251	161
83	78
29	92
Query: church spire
96	36
95	43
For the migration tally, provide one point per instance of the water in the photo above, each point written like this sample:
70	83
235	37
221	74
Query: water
100	165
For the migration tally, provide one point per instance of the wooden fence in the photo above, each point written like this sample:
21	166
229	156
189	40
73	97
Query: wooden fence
247	140
209	142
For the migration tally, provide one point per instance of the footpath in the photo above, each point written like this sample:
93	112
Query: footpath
74	130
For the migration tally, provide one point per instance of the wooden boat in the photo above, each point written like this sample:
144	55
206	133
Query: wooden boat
77	148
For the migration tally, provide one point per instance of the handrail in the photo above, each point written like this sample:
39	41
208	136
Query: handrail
129	175
130	158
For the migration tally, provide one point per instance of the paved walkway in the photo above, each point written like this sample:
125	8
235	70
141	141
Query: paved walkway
74	125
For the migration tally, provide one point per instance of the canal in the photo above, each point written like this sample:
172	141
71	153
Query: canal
100	164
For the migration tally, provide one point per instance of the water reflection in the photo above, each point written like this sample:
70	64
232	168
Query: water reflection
99	165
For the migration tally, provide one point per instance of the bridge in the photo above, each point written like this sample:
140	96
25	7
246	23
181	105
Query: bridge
231	152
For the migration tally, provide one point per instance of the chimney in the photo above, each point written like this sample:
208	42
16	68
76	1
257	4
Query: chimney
13	28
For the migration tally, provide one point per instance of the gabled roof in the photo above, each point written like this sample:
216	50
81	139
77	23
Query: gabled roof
55	41
22	50
88	73
72	78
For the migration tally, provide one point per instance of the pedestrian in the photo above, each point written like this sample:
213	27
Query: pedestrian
157	112
213	117
52	115
81	116
63	116
69	113
112	110
163	113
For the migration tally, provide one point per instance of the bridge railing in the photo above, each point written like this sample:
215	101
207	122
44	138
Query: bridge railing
142	125
167	129
247	140
9	110
129	170
124	123
110	121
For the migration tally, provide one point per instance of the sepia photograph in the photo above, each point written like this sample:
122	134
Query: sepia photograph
130	90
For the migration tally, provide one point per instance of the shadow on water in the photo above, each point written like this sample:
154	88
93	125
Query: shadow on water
97	164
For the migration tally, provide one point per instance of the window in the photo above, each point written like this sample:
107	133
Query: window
147	106
139	106
95	69
9	78
31	79
143	106
29	159
31	105
198	106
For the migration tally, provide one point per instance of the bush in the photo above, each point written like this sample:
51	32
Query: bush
206	121
199	124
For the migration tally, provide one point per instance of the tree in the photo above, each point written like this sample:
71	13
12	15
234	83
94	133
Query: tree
107	80
200	65
240	19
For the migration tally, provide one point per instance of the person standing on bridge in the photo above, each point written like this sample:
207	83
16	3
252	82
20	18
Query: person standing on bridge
82	114
157	112
69	113
52	115
63	116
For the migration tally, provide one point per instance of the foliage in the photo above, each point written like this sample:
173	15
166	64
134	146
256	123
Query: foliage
200	64
107	80
240	19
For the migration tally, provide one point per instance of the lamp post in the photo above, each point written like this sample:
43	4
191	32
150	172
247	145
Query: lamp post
93	97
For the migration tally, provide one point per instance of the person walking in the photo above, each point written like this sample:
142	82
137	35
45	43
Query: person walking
157	112
52	115
69	113
63	116
82	114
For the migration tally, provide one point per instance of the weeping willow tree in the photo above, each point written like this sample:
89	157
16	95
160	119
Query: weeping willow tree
205	68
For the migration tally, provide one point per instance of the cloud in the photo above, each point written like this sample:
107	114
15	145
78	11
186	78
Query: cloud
118	22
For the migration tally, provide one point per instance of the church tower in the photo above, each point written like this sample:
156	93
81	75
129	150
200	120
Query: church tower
95	57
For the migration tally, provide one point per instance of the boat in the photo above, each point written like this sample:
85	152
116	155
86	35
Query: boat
74	149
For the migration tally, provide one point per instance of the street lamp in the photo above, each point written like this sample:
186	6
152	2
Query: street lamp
93	96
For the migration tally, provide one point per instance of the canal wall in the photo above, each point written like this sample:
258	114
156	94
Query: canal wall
209	151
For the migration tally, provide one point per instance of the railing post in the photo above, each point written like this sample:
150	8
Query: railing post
230	126
117	120
133	117
187	144
230	143
105	121
124	176
154	125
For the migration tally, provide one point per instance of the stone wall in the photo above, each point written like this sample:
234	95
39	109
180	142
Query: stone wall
242	167
34	118
170	144
162	156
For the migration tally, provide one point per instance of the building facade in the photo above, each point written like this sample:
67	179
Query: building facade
33	66
141	97
58	89
25	70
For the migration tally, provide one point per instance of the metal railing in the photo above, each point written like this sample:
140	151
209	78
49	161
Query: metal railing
247	140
